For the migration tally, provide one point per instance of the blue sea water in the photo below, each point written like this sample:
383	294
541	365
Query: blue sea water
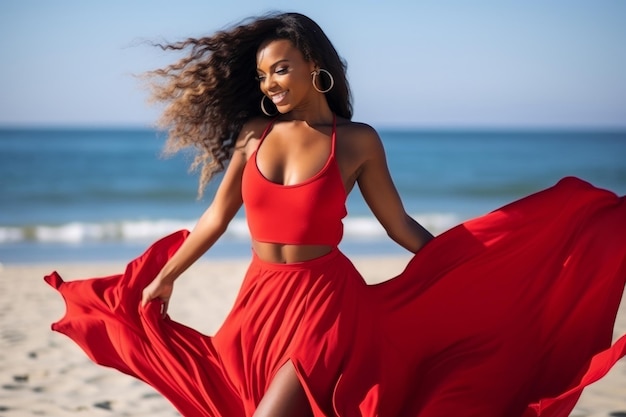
105	194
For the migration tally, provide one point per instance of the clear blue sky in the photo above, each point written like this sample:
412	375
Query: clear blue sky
411	63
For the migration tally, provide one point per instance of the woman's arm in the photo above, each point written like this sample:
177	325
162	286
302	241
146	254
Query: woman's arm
211	225
381	195
213	222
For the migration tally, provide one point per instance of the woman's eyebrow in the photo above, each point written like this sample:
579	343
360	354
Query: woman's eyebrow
275	64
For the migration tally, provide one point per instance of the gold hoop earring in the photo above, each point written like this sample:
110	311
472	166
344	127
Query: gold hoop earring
315	73
265	112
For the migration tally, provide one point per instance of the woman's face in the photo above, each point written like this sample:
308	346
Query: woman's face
284	75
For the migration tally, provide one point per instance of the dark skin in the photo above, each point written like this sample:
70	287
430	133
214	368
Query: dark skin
296	148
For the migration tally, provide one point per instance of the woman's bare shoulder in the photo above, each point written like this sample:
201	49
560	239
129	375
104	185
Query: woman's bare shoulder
250	133
352	127
252	129
357	135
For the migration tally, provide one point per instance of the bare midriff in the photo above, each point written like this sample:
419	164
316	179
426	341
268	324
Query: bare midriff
287	254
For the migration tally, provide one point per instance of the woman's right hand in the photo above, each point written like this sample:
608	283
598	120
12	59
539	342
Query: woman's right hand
160	289
211	225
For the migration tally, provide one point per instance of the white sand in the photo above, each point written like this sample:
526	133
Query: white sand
43	373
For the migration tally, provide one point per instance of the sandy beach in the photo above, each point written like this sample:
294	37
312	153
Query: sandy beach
42	373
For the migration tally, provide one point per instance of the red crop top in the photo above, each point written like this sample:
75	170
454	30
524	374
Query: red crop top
308	213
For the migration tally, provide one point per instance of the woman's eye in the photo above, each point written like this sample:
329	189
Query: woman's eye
279	71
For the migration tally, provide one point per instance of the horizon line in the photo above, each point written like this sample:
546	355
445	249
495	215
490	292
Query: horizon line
382	127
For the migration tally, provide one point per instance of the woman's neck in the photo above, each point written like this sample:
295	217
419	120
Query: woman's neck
313	114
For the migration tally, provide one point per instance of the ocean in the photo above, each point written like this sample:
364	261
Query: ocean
74	195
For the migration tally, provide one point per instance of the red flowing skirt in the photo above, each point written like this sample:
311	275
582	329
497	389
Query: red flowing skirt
510	314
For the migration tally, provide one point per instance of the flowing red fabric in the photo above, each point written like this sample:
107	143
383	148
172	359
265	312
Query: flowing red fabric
510	314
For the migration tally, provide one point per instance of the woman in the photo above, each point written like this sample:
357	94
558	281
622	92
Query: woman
497	317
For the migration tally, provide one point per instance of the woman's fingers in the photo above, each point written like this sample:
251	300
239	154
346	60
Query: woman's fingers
165	301
157	290
146	296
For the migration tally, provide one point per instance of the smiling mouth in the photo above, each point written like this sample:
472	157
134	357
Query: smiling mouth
277	98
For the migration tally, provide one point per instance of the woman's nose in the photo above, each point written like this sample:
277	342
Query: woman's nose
269	81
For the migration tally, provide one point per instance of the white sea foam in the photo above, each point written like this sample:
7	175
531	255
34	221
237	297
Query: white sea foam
438	222
11	234
146	229
355	227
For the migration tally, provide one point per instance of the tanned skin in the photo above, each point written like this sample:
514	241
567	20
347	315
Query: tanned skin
295	149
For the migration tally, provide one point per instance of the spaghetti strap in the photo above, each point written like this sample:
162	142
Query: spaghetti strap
266	131
333	137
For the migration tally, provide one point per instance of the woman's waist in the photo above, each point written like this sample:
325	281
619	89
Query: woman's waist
292	256
286	253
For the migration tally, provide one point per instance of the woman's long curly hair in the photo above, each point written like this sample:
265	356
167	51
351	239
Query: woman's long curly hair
213	91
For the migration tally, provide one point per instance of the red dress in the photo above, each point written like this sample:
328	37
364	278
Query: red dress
510	314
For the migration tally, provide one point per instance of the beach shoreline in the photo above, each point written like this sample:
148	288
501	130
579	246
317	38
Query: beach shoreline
43	373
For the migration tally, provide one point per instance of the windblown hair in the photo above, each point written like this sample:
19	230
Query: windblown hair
211	92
